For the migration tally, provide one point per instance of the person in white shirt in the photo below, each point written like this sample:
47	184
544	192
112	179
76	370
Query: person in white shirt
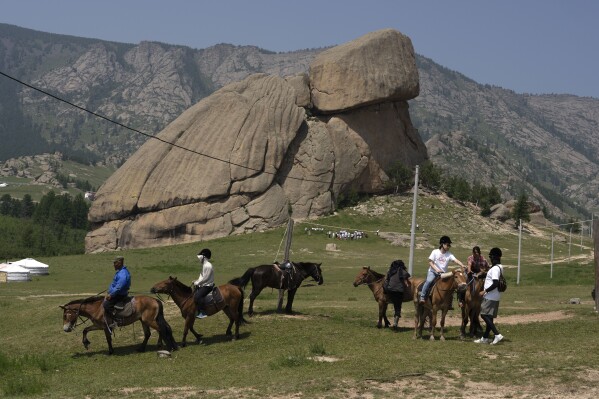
491	296
438	262
205	283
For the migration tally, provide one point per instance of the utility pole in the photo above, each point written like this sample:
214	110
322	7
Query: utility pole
413	229
519	250
289	237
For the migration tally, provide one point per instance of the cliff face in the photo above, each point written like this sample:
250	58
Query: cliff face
248	156
544	144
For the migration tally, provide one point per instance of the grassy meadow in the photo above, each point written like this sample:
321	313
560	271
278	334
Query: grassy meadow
277	354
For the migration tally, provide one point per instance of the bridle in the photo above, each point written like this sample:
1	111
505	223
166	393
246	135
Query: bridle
364	282
169	292
74	323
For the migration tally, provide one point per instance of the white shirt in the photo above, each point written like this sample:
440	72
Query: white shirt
440	259
207	274
493	274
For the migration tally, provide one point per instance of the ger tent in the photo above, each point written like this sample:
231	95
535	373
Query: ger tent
34	266
14	272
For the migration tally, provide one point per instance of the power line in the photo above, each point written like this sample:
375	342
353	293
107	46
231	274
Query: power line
155	137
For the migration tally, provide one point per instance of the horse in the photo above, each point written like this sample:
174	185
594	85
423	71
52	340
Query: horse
471	308
144	308
270	276
375	281
440	299
182	295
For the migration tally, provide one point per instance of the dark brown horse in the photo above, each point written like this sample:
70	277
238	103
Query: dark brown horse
439	299
145	309
270	276
182	295
471	309
374	281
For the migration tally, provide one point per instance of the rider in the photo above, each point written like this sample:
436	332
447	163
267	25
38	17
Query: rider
476	264
118	290
395	287
205	283
438	261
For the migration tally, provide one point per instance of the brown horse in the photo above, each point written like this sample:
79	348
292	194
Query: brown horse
182	295
439	299
145	309
471	309
374	281
270	276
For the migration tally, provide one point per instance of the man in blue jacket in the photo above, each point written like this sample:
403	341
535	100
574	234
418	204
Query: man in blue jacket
118	290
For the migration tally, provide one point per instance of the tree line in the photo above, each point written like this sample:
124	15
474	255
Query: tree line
56	225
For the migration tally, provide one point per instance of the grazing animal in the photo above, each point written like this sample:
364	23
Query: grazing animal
232	304
374	281
439	299
145	309
270	276
471	309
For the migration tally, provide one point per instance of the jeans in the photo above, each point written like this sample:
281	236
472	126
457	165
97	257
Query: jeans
430	277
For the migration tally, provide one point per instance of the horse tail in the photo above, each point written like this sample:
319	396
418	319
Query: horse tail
165	329
240	308
242	281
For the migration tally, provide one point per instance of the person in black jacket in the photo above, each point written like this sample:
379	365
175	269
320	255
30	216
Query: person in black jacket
394	287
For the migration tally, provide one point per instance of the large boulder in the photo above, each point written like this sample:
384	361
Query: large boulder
377	67
249	156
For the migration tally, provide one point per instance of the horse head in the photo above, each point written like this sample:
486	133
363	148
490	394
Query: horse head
363	276
164	286
316	273
459	279
69	317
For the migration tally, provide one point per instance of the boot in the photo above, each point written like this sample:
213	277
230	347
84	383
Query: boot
395	321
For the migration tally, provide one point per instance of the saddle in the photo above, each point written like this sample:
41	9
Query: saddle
213	302
123	309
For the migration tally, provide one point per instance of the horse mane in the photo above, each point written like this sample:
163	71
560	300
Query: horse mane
181	285
376	274
85	300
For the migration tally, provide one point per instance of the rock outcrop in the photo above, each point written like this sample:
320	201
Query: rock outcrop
249	156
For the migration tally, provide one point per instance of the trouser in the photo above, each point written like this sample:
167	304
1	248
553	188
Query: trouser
396	299
108	304
430	278
200	294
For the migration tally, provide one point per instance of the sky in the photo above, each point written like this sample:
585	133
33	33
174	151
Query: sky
529	46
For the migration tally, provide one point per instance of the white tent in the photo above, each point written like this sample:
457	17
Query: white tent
34	266
15	272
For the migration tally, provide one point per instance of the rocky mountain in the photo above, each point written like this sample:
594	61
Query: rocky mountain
546	145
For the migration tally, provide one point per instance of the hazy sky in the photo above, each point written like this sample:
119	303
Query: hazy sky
529	46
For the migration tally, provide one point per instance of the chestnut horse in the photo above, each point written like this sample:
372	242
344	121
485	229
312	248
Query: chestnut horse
375	281
439	299
183	297
145	309
471	309
270	276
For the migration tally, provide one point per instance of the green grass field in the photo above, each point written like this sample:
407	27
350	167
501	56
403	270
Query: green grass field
275	355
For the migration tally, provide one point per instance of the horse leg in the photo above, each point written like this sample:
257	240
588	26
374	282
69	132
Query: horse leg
290	296
280	303
189	322
443	314
147	333
85	341
433	324
108	340
465	316
255	292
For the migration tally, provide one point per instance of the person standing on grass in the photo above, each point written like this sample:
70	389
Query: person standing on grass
394	287
438	262
491	296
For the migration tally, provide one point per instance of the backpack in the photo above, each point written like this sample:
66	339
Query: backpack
502	282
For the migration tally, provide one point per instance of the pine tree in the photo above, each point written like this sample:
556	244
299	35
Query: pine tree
521	210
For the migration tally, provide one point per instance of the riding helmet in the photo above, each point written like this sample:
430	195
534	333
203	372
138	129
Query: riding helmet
206	252
444	240
495	252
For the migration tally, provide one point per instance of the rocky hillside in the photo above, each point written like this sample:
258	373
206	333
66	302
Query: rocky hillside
545	145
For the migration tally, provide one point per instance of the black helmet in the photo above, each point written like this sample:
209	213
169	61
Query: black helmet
495	253
206	252
444	240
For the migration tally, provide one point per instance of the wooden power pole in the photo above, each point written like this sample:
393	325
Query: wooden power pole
289	237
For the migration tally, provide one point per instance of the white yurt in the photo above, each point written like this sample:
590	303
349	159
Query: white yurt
14	272
34	266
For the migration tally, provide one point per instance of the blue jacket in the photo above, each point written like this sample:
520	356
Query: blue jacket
121	282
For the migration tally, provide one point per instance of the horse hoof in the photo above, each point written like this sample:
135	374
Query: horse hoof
442	338
432	338
379	326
